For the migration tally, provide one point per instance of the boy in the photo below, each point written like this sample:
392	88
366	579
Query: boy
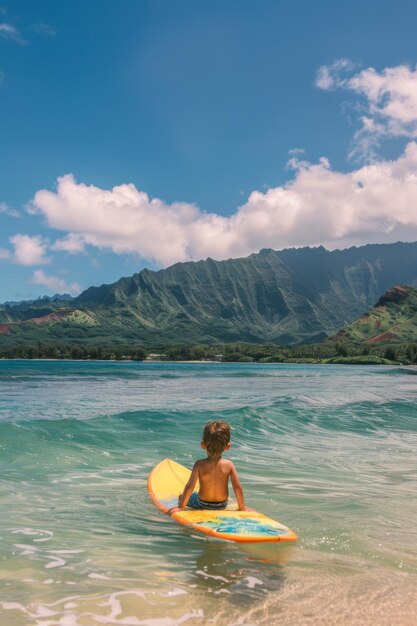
213	474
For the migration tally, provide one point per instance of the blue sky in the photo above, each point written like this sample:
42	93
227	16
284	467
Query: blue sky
141	133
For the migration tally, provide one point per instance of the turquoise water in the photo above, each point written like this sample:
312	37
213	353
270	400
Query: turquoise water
328	450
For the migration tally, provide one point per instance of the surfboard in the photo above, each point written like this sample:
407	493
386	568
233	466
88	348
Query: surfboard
166	482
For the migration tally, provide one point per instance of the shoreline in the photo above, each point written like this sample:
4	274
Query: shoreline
205	361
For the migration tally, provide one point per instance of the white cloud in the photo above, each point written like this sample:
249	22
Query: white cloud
72	243
377	202
7	30
10	32
124	219
296	151
328	76
29	250
43	29
7	210
392	96
55	284
390	107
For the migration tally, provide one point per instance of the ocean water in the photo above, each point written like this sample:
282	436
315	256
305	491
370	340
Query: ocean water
329	451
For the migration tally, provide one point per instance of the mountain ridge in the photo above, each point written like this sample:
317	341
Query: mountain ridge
296	295
393	319
58	297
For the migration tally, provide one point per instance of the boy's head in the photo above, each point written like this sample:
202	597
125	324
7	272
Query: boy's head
216	437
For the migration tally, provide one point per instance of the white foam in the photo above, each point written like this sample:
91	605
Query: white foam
56	562
173	593
43	611
65	551
32	532
14	606
252	581
203	573
28	550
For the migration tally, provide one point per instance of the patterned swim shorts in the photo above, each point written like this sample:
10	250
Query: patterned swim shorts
196	503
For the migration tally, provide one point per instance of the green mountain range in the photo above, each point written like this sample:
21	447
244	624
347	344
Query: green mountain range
287	297
392	320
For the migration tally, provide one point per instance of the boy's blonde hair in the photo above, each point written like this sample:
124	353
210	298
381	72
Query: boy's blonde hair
216	436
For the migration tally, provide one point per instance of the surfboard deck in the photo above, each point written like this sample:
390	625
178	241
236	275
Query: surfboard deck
166	482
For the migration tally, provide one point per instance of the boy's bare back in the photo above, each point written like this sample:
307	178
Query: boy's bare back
213	475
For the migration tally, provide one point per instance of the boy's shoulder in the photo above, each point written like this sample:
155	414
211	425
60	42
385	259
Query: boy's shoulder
225	463
200	463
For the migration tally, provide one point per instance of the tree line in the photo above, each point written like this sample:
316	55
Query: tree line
229	352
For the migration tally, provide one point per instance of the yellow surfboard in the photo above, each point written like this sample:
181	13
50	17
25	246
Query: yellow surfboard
167	481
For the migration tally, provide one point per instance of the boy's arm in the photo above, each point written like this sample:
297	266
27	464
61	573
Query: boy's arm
188	490
237	488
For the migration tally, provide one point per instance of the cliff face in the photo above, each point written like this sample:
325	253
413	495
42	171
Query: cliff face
290	296
392	319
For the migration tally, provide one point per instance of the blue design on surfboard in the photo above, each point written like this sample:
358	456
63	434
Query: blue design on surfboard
243	526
